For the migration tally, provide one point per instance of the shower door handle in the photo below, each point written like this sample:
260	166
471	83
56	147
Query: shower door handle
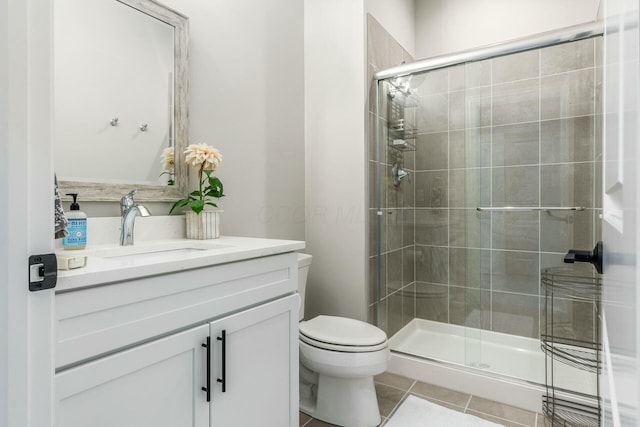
594	257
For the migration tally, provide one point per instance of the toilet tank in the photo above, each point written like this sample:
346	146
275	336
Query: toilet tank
304	262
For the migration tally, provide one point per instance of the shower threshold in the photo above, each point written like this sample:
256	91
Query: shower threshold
486	363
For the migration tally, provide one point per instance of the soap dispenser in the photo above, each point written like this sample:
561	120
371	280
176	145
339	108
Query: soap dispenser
77	227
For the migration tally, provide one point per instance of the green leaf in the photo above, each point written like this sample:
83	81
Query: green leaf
197	205
211	204
215	187
180	203
217	183
215	194
196	193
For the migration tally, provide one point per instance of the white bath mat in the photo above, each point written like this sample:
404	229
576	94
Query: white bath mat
416	412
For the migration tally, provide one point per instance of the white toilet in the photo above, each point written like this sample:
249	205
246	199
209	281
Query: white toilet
338	359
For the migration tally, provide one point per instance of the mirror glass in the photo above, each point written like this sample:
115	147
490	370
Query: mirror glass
119	98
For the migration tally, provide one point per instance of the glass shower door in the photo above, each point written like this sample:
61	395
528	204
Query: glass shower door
477	167
430	268
470	189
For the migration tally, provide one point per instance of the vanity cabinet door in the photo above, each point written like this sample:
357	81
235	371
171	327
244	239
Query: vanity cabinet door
155	384
260	370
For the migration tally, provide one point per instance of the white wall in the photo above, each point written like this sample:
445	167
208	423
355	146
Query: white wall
335	132
446	26
4	215
398	18
335	156
246	99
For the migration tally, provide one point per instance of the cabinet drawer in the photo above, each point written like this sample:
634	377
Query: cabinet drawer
94	321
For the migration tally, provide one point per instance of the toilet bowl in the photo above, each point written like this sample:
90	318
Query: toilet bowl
338	359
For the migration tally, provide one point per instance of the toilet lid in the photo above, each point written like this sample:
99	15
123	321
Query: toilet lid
341	331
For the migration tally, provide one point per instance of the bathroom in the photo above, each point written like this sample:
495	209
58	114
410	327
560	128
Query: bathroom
286	98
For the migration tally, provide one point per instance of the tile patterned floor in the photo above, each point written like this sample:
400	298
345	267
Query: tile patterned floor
393	389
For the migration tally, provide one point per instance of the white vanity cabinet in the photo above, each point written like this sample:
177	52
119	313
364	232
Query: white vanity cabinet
131	353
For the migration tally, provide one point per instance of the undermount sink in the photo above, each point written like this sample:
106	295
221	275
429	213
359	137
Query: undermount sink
155	250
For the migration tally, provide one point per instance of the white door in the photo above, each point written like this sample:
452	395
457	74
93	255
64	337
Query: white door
26	212
621	296
157	384
260	370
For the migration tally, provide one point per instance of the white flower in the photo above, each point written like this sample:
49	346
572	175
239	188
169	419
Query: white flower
167	159
203	156
206	159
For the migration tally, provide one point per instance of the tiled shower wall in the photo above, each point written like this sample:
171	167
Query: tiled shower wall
519	130
396	260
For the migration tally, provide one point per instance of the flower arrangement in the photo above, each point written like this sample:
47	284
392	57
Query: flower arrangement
206	159
168	167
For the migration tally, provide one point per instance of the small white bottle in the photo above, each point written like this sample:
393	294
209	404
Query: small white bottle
77	226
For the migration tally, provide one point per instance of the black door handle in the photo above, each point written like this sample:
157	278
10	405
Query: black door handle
594	257
207	388
223	380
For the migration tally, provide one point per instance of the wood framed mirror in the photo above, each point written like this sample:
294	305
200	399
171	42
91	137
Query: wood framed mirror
120	99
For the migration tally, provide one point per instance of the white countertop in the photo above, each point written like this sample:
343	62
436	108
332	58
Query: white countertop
103	270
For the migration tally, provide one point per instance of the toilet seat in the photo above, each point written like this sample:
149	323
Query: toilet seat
342	348
342	334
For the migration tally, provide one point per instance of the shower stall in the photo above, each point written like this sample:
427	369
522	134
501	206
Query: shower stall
484	169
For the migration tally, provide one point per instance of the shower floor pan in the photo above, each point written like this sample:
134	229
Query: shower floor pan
502	367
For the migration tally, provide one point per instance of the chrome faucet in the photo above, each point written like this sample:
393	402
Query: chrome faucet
129	210
398	174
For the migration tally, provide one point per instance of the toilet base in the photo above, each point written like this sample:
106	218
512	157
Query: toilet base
349	402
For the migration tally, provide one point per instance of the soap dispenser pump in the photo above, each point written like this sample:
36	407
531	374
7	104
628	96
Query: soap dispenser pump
77	226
